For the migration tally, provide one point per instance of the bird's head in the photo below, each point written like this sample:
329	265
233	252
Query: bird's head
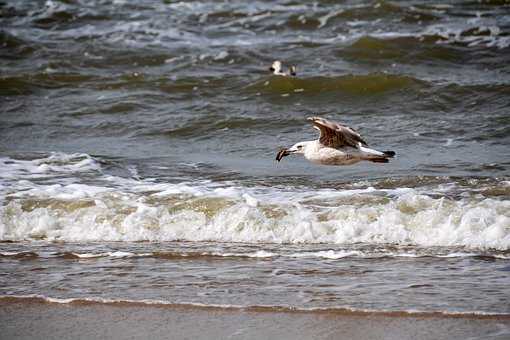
276	67
298	148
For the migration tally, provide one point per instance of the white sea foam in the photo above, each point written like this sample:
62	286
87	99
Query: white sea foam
455	34
119	216
56	163
328	254
10	253
324	19
62	192
128	209
322	254
114	254
257	254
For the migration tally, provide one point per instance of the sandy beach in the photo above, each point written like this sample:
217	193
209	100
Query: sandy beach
42	320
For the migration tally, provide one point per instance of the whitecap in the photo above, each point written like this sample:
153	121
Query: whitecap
131	209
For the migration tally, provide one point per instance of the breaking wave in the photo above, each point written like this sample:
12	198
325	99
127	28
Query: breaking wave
127	209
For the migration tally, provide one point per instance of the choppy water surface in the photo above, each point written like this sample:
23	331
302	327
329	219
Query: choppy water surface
137	145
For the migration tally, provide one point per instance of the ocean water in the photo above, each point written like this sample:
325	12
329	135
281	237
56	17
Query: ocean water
138	144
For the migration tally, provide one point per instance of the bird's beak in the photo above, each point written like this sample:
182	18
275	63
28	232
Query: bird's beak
271	69
282	153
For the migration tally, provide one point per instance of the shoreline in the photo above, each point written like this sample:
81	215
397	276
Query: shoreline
341	311
35	318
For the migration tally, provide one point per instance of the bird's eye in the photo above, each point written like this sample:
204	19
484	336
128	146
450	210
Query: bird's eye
300	146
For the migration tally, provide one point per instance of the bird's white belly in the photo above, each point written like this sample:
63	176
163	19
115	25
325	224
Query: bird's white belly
331	156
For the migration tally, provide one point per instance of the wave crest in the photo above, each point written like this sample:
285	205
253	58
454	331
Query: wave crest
234	216
129	209
351	84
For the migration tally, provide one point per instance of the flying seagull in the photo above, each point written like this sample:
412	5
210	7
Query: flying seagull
337	145
276	68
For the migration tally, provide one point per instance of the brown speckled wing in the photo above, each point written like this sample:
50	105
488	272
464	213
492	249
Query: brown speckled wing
336	135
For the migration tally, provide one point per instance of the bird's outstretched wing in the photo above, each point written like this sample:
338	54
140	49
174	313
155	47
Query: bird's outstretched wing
336	135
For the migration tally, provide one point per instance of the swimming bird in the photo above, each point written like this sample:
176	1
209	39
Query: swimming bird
337	145
276	68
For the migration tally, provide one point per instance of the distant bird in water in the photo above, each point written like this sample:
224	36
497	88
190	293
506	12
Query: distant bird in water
276	68
337	145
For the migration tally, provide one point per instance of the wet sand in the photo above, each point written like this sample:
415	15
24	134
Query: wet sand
40	320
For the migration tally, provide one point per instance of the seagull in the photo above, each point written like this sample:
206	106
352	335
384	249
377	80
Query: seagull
276	68
337	145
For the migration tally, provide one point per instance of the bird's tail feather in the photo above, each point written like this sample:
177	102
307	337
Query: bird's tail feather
377	156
